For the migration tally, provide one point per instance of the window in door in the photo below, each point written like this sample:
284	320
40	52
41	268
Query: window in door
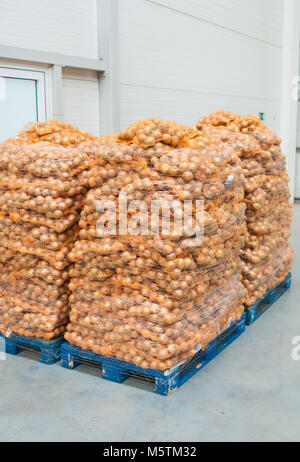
22	100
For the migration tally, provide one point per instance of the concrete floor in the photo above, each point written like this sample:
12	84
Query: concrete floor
250	392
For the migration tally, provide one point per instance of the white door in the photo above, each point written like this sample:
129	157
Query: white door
22	100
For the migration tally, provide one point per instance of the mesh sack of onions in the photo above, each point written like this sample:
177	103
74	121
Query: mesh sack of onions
51	132
266	272
266	255
33	295
43	179
144	291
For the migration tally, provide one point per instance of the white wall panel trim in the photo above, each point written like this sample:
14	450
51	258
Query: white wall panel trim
36	56
109	51
57	93
80	74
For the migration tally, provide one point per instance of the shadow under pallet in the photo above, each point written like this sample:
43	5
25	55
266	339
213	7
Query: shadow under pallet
164	382
261	306
48	350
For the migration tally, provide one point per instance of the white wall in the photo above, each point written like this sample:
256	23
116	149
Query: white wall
290	69
81	99
298	105
65	27
59	26
180	59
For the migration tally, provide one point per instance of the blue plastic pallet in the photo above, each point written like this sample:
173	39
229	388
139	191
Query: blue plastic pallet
49	349
164	382
261	306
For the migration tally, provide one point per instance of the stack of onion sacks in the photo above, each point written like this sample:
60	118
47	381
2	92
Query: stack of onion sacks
267	256
44	177
154	299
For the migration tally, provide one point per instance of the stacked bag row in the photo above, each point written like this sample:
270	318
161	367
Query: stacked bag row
43	181
155	299
267	257
86	251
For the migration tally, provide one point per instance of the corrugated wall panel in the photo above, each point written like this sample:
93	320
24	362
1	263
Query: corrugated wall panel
188	106
259	18
59	26
181	52
176	64
81	102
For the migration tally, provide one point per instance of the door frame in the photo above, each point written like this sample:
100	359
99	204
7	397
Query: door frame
30	74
